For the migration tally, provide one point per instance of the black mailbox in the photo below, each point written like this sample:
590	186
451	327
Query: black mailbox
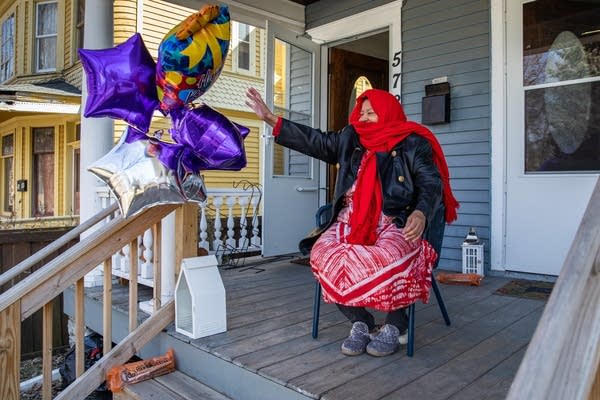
435	107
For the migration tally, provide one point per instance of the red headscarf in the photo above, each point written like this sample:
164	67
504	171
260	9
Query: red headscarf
381	136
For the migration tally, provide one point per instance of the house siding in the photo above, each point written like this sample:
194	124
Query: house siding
452	38
159	17
445	38
156	19
68	37
125	21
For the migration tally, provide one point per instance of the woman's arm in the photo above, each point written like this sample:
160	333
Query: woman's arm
257	104
299	137
428	187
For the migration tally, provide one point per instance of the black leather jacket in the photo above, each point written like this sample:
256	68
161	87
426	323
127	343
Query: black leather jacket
409	178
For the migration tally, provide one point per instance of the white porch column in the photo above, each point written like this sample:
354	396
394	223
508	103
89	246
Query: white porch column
167	252
96	133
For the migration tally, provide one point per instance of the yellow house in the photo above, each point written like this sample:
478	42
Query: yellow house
40	99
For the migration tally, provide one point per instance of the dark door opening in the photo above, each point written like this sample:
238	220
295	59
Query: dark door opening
353	67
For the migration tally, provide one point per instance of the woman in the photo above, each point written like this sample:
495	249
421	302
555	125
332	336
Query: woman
392	175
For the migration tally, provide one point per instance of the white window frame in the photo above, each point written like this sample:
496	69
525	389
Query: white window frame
38	37
235	41
35	180
7	44
4	185
75	174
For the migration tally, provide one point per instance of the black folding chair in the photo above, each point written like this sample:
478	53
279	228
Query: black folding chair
434	234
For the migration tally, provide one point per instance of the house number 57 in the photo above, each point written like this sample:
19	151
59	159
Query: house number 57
396	74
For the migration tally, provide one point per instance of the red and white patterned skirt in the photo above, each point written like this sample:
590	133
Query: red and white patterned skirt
390	274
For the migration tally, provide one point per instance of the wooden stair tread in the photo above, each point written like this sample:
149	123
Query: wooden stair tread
173	386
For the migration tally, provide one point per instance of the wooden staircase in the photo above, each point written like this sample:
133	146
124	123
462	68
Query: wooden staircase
173	386
68	270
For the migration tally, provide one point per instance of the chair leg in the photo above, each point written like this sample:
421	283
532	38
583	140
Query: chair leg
316	310
410	347
440	301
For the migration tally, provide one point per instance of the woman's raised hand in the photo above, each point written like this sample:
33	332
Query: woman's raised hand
257	104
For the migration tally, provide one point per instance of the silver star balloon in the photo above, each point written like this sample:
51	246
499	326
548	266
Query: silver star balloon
138	174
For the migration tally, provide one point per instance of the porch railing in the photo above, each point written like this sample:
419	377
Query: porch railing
228	223
42	286
562	359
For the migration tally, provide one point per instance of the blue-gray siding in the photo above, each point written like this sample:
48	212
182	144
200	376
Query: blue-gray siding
451	38
445	38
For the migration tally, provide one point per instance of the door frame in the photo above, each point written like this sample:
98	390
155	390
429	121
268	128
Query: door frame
388	16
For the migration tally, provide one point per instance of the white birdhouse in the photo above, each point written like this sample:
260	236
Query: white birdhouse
472	254
200	308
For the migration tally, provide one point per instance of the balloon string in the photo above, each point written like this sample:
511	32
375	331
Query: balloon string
197	21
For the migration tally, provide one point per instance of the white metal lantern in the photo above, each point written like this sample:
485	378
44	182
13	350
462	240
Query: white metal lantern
472	254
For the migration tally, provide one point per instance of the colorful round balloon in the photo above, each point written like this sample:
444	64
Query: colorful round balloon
191	57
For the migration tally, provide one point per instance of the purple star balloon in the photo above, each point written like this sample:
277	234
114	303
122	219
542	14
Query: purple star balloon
121	83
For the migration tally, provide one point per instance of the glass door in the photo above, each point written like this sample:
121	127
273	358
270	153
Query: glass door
291	179
553	127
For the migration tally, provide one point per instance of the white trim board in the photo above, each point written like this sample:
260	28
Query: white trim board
358	24
498	136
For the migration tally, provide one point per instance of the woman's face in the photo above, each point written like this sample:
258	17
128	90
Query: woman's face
366	112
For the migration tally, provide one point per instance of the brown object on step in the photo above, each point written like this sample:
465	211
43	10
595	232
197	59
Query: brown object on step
121	375
459	279
202	252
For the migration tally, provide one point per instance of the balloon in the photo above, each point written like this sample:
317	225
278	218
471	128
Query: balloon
191	184
210	139
191	57
121	82
134	172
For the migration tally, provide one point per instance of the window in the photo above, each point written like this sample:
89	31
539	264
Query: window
76	180
244	47
8	187
7	51
293	100
79	18
362	84
46	36
43	172
76	164
561	83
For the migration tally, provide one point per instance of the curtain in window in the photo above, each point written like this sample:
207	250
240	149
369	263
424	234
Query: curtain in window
8	188
7	50
46	35
243	46
43	169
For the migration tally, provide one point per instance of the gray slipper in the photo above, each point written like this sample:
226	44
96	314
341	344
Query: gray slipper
386	342
356	343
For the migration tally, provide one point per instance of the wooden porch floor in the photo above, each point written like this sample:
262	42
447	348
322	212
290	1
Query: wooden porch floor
269	336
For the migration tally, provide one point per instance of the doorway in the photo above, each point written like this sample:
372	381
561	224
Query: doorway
353	67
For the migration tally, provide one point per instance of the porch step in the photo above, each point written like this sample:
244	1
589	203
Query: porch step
173	386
